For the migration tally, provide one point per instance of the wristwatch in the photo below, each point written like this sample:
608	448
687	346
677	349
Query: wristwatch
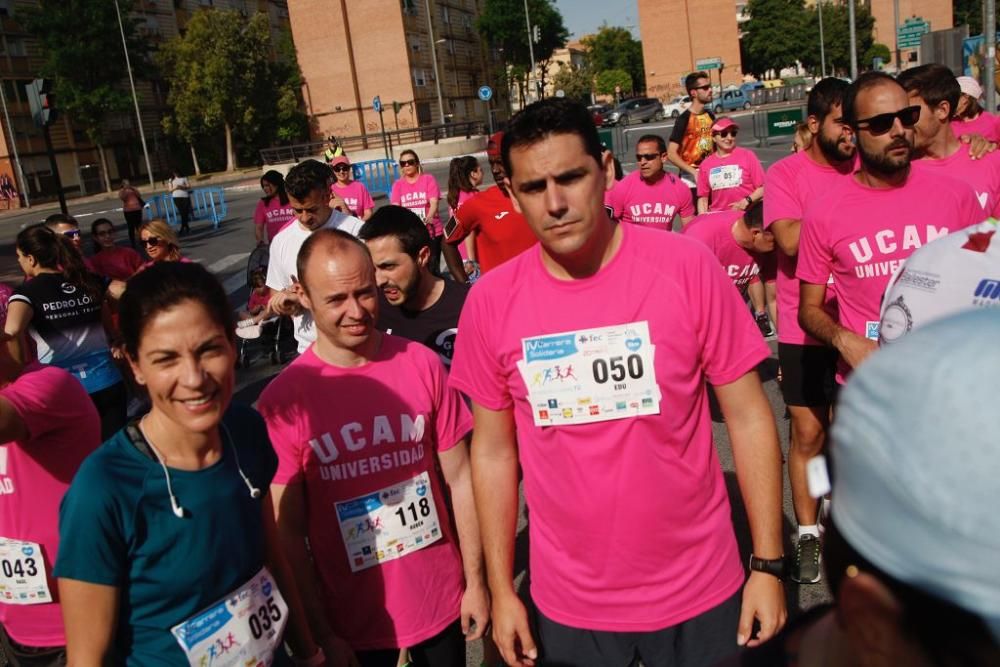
749	200
772	566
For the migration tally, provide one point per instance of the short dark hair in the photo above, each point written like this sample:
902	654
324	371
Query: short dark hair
336	237
934	84
60	219
826	94
691	80
163	286
863	83
660	143
753	216
553	115
307	176
400	222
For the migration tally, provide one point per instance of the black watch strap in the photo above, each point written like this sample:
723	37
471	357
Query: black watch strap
773	566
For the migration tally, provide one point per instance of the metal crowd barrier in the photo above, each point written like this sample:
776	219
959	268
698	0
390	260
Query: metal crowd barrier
206	203
376	175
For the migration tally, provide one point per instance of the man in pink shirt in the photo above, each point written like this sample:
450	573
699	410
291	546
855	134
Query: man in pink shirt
935	90
732	176
48	426
373	493
651	195
737	239
863	229
586	360
807	365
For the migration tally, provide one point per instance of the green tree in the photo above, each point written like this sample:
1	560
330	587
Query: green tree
222	75
614	48
836	37
877	50
83	57
606	81
968	11
575	82
773	36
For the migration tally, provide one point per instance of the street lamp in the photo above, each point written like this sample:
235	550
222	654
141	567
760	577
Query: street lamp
531	48
434	60
135	99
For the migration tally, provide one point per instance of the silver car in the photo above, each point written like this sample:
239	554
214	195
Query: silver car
641	109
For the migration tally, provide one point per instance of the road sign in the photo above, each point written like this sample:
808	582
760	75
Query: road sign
783	122
377	104
705	64
909	34
485	93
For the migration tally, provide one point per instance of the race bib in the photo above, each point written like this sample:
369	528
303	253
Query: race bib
724	177
871	330
242	630
390	523
22	573
592	375
419	211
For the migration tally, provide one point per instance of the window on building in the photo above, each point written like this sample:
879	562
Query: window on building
5	9
423	112
445	16
419	78
409	7
15	47
415	43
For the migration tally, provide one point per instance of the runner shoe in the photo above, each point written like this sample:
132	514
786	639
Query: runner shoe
764	324
806	567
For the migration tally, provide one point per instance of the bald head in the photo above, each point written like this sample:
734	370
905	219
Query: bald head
332	246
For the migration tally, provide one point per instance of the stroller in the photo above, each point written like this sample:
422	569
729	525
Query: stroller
258	337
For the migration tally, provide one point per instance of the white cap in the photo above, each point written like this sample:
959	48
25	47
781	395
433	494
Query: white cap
916	458
970	87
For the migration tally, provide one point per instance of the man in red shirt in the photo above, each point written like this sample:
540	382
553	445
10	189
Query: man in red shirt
503	232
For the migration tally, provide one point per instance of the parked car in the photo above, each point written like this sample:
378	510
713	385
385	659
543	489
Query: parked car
731	100
597	112
642	109
676	106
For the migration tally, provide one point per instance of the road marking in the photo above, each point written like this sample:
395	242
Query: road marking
234	283
224	263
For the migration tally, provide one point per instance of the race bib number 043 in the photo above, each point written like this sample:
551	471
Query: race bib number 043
591	375
242	630
390	523
22	573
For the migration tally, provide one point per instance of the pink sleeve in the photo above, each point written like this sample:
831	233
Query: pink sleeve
756	170
33	396
703	170
815	260
453	420
731	343
260	213
475	368
684	193
279	417
395	196
365	199
433	191
780	199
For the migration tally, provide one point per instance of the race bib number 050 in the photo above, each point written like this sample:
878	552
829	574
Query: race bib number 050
22	573
390	523
591	375
242	630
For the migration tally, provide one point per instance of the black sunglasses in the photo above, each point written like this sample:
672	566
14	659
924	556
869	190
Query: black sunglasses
646	157
407	163
72	233
152	241
707	86
883	122
726	133
342	167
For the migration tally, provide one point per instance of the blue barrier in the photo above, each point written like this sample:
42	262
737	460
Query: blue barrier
206	203
376	175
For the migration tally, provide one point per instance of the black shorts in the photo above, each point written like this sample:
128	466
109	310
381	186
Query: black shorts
808	375
445	649
698	642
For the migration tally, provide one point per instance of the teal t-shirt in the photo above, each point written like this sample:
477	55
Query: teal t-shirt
117	528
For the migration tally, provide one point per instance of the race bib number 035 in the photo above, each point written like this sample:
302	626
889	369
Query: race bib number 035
591	375
242	630
390	523
22	573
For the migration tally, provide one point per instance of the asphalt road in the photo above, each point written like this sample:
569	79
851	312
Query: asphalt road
225	252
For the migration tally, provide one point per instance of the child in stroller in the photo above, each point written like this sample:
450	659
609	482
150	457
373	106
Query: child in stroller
257	323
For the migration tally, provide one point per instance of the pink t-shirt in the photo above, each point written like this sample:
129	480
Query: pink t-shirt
861	235
416	196
117	263
985	124
726	180
371	437
715	230
355	195
463	196
274	215
792	183
630	526
259	299
634	200
982	175
63	428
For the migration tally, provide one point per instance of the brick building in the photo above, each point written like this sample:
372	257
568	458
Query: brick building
938	13
349	51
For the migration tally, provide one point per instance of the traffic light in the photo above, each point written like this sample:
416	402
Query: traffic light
41	100
396	106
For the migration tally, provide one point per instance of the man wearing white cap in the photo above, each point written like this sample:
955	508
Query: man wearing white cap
911	549
970	117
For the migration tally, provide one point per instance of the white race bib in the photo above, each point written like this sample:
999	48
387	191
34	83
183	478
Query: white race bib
871	329
420	211
390	523
725	177
592	375
22	573
243	629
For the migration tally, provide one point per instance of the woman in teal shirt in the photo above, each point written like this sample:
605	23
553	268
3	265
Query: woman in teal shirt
168	549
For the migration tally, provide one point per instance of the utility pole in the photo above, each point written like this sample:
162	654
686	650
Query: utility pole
434	60
822	45
531	46
895	39
22	184
135	99
990	33
854	41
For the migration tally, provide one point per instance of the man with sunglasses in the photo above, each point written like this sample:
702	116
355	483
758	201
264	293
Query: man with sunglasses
691	138
935	90
67	225
863	229
651	195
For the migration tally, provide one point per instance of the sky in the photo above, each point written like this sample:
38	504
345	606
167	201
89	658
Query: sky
583	17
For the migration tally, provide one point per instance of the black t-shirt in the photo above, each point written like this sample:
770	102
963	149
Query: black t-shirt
693	136
435	327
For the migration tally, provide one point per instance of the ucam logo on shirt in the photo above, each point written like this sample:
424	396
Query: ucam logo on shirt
885	242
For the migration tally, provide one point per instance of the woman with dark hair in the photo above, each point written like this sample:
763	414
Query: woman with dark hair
132	205
168	549
418	191
110	260
464	178
62	308
180	192
273	211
